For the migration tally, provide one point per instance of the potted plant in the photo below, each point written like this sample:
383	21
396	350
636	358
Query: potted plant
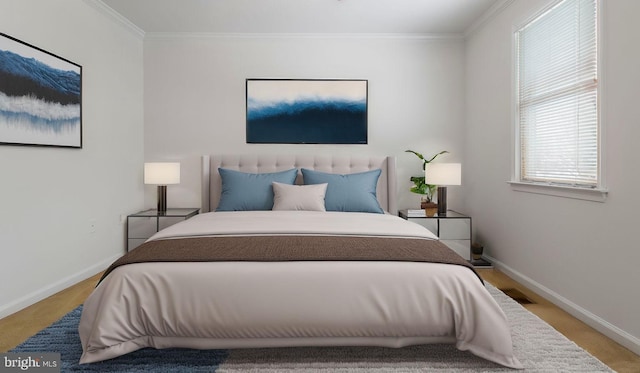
427	191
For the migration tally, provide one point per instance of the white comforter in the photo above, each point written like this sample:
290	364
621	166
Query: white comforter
270	304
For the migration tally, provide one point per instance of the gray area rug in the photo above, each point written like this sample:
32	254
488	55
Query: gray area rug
538	346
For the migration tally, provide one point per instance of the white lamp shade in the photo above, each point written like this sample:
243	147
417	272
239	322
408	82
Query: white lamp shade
443	174
162	173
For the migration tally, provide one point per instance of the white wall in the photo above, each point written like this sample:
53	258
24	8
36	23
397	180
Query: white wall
48	196
195	98
582	254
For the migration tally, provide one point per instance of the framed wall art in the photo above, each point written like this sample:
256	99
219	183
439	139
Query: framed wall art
40	97
315	111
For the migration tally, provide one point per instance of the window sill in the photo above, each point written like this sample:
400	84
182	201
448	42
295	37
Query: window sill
595	195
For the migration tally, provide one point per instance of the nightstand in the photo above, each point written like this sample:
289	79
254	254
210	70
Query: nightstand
453	229
144	224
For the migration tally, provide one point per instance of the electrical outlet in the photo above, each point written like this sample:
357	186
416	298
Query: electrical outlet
92	225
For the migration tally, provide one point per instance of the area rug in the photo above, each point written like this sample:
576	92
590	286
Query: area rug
538	346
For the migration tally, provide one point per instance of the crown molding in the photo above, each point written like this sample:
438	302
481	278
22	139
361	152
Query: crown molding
103	8
115	16
492	12
375	36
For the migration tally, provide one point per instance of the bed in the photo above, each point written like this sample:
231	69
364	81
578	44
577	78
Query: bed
293	275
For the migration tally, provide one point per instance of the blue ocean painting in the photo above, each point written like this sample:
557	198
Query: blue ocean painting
40	97
307	111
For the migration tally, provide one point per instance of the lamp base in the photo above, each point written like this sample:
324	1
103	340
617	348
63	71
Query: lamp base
442	201
162	199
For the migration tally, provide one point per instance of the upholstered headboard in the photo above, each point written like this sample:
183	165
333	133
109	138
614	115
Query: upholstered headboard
212	185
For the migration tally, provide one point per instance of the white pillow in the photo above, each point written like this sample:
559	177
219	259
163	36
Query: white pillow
299	197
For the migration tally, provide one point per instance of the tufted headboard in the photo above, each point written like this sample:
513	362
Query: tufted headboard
212	185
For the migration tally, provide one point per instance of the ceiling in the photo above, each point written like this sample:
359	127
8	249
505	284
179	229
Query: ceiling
303	16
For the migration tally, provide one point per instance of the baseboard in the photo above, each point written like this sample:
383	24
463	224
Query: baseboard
620	336
38	295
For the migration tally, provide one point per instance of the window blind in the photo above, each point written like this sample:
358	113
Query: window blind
557	94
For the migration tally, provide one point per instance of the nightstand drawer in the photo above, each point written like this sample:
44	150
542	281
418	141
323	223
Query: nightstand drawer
141	227
132	243
458	229
453	229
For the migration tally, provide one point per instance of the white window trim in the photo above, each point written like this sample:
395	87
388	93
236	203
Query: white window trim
600	192
596	195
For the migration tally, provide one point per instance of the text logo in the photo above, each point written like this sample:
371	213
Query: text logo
30	362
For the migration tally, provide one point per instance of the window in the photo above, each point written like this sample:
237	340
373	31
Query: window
557	115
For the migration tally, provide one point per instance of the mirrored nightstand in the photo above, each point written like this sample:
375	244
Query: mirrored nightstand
454	230
144	224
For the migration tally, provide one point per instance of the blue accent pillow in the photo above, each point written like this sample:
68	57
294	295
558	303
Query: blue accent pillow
242	191
350	192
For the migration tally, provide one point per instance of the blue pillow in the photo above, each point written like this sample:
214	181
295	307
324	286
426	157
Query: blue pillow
350	192
242	191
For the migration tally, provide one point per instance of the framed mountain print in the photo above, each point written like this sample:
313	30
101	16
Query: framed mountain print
40	97
316	111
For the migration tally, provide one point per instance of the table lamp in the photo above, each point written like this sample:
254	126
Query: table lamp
162	174
443	175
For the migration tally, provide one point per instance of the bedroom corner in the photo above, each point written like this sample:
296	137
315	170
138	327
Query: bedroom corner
61	207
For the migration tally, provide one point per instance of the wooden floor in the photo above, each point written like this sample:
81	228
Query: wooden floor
16	328
609	352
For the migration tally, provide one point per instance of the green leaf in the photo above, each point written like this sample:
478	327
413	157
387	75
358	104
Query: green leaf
420	187
416	153
424	161
434	157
